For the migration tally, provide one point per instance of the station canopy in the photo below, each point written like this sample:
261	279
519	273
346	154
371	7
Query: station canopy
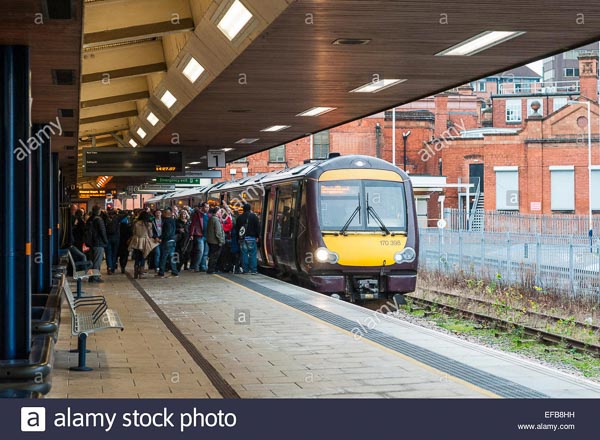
242	76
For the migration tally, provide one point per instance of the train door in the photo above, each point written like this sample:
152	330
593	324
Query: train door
284	225
267	242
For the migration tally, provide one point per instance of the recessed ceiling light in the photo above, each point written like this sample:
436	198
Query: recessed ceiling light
141	133
479	43
276	128
168	99
317	111
152	119
247	141
133	143
226	149
234	20
193	70
194	163
187	168
377	86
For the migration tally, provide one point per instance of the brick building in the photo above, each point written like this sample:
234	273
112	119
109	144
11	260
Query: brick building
525	149
538	164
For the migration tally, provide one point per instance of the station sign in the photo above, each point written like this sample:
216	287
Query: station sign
206	174
131	162
85	194
179	180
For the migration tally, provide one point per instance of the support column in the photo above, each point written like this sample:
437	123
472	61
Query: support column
47	216
15	204
54	207
39	231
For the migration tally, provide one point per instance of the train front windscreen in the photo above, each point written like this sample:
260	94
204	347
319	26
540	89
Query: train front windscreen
362	205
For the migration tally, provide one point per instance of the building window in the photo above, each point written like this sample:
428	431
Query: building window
507	188
562	188
321	145
558	102
571	55
595	199
241	160
277	154
481	86
530	110
549	75
571	71
513	110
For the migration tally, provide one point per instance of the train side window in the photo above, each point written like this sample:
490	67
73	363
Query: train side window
286	210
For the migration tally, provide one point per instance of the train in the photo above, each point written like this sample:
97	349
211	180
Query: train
344	226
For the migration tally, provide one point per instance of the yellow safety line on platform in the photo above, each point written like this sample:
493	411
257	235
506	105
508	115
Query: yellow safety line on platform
431	369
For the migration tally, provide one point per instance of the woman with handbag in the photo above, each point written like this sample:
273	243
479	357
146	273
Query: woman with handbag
141	242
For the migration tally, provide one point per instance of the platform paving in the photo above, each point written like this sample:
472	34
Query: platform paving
262	348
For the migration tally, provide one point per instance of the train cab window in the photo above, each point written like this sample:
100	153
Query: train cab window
339	201
286	210
387	204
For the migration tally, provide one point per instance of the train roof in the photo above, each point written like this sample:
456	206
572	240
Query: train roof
311	169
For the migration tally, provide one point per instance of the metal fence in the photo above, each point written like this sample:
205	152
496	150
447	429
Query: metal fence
569	264
514	222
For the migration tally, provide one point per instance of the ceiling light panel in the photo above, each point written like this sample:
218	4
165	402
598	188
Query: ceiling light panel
234	20
193	70
377	86
479	43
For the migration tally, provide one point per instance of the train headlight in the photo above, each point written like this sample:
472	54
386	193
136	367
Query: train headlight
406	255
324	255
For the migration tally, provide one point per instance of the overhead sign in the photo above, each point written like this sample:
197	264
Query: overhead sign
216	159
206	174
157	188
179	180
131	162
94	193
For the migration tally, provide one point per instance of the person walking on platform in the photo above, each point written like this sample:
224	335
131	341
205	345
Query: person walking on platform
124	237
141	243
167	244
99	241
197	229
113	232
215	237
248	227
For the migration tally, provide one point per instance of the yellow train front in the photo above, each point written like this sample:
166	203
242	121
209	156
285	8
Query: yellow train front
345	226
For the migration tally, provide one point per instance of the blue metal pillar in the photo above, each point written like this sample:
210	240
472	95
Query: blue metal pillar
39	231
54	226
47	217
15	204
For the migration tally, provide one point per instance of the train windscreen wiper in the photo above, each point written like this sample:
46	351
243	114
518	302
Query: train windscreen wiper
347	224
371	212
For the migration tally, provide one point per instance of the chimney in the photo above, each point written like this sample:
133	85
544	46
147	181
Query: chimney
588	76
441	114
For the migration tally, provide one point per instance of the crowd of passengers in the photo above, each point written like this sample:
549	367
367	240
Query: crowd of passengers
206	238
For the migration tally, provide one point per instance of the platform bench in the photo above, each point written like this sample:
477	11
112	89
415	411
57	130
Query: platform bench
89	314
80	275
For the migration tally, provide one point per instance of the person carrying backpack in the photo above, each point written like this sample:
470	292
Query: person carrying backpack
248	227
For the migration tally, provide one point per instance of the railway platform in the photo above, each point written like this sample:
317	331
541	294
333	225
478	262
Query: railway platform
234	336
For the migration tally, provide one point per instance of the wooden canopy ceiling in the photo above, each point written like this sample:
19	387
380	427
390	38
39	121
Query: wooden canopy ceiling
124	54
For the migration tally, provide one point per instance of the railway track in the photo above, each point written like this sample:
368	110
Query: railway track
445	300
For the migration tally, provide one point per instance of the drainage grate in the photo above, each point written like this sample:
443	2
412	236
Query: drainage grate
482	379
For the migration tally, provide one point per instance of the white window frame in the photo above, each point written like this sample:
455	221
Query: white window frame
562	99
511	104
562	188
507	179
595	196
